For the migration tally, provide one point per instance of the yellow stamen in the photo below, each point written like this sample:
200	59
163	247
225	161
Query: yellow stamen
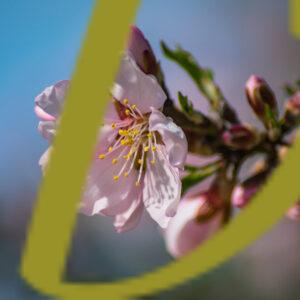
140	161
116	178
125	101
110	149
149	135
126	174
137	183
113	125
101	156
124	142
127	156
153	148
133	106
152	161
146	149
114	161
127	112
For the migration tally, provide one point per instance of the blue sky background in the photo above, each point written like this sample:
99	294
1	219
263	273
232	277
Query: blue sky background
39	44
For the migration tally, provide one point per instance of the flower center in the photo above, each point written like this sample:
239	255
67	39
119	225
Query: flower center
133	143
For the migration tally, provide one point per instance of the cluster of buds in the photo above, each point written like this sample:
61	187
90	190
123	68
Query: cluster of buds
233	142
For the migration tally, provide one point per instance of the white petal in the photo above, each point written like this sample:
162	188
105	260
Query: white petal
44	160
139	88
103	194
172	136
131	217
162	189
52	98
47	129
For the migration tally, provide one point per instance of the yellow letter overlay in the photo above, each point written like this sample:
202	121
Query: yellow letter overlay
55	213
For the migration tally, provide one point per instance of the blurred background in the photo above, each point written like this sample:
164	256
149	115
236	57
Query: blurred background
39	44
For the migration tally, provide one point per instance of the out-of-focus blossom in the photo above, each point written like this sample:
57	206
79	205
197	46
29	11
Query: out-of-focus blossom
260	97
197	219
240	137
292	110
244	192
294	212
140	151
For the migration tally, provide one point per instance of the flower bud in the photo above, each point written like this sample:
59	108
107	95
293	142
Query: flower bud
260	97
240	137
185	231
292	110
243	193
210	206
141	51
294	212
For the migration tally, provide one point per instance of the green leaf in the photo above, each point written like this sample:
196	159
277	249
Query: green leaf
195	116
203	78
289	90
197	175
185	104
271	117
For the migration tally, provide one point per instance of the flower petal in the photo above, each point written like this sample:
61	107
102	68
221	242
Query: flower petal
44	160
47	129
50	101
42	114
184	233
172	136
140	89
102	193
162	189
131	217
141	51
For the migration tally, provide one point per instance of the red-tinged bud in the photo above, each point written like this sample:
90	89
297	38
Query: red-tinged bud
240	137
294	212
292	110
261	98
141	51
243	193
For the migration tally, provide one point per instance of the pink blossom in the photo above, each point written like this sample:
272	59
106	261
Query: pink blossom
189	228
294	212
242	195
245	191
139	154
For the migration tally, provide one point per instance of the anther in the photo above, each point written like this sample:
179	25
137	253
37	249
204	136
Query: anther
152	161
116	178
127	112
101	156
133	106
125	101
113	125
114	161
146	149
